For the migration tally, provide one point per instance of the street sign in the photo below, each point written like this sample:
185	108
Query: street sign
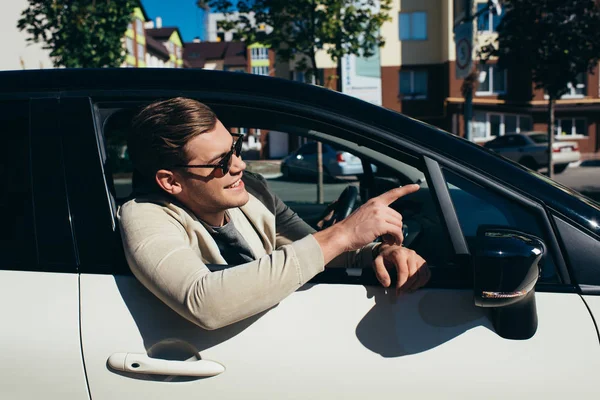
463	37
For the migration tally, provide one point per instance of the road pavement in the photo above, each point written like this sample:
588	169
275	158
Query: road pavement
585	180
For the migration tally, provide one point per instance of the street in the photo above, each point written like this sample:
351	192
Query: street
585	180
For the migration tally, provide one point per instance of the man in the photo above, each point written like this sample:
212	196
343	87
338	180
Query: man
203	208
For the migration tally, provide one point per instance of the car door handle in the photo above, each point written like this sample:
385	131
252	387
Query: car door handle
142	364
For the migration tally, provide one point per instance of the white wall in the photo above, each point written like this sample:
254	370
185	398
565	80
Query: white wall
14	46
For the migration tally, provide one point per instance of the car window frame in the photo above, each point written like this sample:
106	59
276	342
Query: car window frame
358	131
53	245
540	211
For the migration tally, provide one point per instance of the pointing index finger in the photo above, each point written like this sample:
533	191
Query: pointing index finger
392	195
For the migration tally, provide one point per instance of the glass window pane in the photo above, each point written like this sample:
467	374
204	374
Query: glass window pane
129	45
478	125
580	84
483	21
420	83
510	123
580	127
495	121
485	85
566	127
477	205
404	22
496	20
405	83
419	26
17	242
525	124
499	78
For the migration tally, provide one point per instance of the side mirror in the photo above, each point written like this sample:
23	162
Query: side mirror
506	269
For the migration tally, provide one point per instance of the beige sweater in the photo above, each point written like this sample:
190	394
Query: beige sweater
167	249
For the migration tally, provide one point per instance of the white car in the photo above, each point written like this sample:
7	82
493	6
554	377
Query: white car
531	150
510	312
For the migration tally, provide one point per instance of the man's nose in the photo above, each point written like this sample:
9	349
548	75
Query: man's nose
237	164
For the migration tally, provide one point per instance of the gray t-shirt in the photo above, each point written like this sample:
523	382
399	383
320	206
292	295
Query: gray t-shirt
232	245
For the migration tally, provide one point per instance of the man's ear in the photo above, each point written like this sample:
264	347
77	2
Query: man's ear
168	181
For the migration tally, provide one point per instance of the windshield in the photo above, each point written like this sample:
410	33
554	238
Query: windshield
539	138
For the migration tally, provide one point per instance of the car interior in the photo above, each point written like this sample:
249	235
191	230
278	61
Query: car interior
425	230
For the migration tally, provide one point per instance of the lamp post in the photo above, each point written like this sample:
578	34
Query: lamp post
494	7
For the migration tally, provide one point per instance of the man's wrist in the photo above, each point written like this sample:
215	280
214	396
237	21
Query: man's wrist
332	241
376	249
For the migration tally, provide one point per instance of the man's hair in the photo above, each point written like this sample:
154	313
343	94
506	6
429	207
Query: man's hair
160	131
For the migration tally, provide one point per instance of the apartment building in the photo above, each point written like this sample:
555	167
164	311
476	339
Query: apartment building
418	71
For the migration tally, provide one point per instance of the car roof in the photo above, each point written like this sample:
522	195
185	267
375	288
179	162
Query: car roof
529	133
283	96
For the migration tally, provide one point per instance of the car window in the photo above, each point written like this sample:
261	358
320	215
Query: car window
16	206
515	140
477	205
498	142
539	138
293	177
308	149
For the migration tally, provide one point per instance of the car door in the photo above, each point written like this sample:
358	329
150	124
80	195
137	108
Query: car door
342	335
39	287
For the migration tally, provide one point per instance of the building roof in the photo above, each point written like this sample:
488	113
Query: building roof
163	34
236	54
232	53
143	10
157	48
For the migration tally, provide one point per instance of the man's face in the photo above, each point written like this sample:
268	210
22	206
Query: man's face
208	192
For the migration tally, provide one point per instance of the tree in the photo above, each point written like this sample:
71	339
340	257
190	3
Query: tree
304	27
555	39
79	33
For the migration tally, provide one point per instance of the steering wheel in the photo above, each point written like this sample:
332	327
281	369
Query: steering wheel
342	207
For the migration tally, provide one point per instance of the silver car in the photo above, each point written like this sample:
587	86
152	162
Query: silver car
303	162
531	150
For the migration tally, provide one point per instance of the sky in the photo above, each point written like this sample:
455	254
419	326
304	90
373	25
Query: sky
180	13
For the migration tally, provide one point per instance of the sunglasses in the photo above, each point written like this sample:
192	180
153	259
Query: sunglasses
225	163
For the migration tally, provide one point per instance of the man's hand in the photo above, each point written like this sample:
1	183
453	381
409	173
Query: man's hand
411	268
372	220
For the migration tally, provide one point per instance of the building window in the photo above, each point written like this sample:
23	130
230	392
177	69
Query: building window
220	36
571	127
178	51
492	80
129	43
413	26
577	89
260	70
130	26
259	53
485	126
488	22
413	84
139	27
141	52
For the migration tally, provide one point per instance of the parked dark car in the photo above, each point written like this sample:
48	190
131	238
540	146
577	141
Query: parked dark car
336	162
511	307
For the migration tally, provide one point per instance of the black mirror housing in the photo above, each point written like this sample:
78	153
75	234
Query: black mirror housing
506	269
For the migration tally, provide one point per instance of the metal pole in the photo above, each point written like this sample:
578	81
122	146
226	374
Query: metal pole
468	110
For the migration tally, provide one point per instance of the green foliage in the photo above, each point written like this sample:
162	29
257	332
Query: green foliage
303	27
79	33
555	39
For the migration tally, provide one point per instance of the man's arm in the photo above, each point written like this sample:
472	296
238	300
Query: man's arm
165	259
